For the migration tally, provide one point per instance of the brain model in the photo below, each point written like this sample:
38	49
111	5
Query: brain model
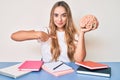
89	21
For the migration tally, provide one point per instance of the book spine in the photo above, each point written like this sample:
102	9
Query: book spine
94	74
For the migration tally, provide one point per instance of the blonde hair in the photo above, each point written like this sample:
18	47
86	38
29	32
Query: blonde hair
70	32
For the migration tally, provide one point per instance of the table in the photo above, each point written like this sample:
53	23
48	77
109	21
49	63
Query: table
42	75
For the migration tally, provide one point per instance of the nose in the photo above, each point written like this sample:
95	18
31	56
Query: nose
60	18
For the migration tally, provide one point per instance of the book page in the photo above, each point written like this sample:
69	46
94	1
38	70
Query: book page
52	65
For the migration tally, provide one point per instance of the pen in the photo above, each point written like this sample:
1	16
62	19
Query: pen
58	66
41	59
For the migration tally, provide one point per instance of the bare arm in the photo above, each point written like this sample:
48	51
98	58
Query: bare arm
80	52
23	35
87	23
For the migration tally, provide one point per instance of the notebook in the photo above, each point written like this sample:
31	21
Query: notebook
57	68
105	72
13	71
92	65
31	65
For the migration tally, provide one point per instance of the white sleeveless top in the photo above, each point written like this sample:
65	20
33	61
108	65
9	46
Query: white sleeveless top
45	48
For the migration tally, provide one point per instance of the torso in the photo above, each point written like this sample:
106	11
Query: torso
45	48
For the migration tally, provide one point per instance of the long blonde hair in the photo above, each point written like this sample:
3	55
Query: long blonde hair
70	32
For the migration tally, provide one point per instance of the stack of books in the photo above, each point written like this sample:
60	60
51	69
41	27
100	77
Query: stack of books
93	68
57	68
13	71
21	69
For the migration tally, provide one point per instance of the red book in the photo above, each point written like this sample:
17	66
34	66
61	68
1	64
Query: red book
92	65
31	65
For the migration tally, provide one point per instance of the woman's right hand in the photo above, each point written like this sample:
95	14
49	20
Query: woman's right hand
42	36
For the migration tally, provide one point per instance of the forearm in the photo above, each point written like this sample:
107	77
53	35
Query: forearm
80	52
24	35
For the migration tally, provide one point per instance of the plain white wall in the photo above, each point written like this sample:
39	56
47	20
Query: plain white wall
102	44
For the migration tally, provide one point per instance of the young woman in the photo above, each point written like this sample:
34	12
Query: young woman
62	41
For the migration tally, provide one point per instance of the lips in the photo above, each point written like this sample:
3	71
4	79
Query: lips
59	23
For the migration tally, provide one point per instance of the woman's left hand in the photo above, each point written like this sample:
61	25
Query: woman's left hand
88	23
84	30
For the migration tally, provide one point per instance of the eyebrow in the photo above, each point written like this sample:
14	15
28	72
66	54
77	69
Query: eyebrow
62	13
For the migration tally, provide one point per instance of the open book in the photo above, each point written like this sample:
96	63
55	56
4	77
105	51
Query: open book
57	68
13	71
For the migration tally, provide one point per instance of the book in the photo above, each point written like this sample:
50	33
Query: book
92	65
31	65
13	71
106	72
57	68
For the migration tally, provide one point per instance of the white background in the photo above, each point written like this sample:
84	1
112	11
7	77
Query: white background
102	44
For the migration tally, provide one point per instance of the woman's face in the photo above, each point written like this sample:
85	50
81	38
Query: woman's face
60	18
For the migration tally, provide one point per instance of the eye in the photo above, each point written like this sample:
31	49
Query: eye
64	15
56	15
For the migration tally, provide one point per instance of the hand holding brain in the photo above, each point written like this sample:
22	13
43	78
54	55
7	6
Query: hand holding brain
89	21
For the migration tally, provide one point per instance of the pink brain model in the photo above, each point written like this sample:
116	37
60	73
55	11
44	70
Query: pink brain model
89	21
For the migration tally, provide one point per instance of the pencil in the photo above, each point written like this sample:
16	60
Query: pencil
58	66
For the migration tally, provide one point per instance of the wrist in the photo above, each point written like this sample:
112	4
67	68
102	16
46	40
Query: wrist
36	35
81	33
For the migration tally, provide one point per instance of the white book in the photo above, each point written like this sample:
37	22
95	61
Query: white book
13	71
